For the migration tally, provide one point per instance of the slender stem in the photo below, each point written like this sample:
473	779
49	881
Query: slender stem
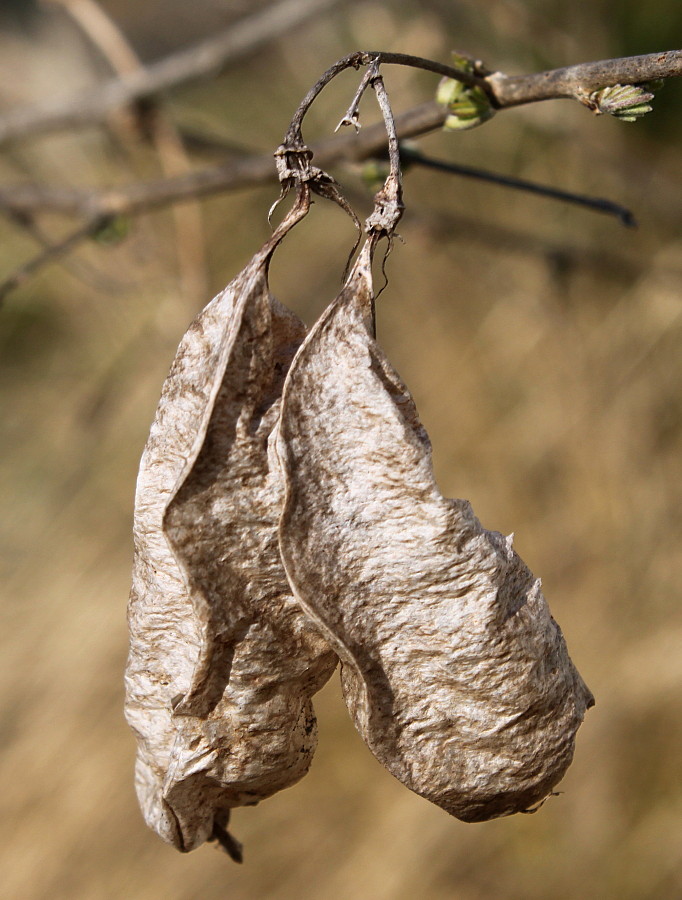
599	204
85	108
503	90
293	138
429	65
389	122
96	206
388	203
352	114
294	159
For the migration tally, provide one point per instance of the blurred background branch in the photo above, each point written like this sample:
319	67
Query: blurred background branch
108	38
201	61
182	184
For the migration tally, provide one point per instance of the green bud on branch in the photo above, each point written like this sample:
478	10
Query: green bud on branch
467	106
627	102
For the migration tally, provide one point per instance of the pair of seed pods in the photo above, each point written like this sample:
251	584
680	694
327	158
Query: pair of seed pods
286	517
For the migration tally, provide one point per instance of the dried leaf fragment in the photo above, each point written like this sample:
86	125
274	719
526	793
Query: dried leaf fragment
223	662
454	671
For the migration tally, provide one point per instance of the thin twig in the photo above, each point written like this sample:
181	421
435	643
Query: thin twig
599	204
210	56
95	206
200	61
251	171
294	158
352	114
388	202
574	82
293	138
492	234
236	174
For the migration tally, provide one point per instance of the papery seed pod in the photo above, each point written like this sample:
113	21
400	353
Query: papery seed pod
223	662
454	671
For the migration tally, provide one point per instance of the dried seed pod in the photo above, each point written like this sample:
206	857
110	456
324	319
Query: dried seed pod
223	662
454	671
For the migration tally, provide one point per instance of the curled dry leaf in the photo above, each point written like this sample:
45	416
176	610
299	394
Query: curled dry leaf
454	671
223	662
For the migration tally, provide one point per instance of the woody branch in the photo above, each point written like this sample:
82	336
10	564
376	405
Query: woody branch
93	206
505	91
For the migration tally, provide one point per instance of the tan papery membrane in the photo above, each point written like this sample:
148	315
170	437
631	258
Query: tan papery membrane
223	662
454	671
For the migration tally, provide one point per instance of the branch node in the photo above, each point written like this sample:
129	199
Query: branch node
467	106
352	114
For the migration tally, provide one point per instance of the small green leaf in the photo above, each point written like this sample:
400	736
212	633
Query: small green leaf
467	106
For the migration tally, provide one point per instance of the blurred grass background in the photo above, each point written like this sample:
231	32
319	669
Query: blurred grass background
542	345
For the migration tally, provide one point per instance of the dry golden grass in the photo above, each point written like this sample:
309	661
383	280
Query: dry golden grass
543	347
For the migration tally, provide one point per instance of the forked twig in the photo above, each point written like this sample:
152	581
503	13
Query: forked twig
294	158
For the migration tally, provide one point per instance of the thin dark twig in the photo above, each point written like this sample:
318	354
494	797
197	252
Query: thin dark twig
598	204
97	207
248	171
352	114
293	136
429	65
199	61
388	203
491	234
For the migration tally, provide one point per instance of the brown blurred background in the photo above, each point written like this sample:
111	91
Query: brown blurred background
542	344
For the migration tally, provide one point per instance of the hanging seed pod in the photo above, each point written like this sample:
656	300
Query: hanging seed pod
454	671
223	662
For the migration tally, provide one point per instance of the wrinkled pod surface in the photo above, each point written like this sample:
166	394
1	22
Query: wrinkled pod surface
222	662
454	671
